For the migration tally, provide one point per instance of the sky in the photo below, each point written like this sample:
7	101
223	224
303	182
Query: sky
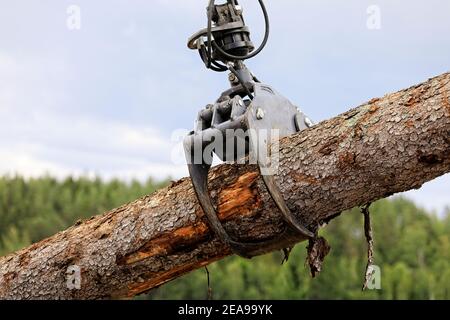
108	88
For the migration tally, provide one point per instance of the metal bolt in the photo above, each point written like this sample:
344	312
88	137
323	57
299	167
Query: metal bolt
309	122
232	77
260	114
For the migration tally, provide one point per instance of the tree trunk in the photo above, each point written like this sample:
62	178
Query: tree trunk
388	145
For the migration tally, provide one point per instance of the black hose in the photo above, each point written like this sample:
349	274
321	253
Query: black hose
219	67
214	64
210	13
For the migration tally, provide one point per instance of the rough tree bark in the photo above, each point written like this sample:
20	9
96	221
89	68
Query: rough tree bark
388	145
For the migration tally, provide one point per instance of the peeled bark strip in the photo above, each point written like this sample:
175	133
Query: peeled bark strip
388	145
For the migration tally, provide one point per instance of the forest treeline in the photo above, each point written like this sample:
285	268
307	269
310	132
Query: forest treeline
412	245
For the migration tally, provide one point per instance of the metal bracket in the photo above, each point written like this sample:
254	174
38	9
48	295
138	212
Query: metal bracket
275	114
267	118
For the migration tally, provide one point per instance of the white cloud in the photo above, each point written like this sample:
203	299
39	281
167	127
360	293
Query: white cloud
7	64
59	145
8	68
130	30
38	136
24	163
434	195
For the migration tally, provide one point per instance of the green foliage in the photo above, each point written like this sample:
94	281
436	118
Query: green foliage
412	246
31	210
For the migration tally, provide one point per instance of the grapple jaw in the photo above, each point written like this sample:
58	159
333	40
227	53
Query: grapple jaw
244	131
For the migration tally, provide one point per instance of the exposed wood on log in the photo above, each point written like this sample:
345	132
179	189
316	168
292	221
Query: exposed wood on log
388	145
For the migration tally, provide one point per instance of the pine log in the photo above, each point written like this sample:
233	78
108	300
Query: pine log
386	146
